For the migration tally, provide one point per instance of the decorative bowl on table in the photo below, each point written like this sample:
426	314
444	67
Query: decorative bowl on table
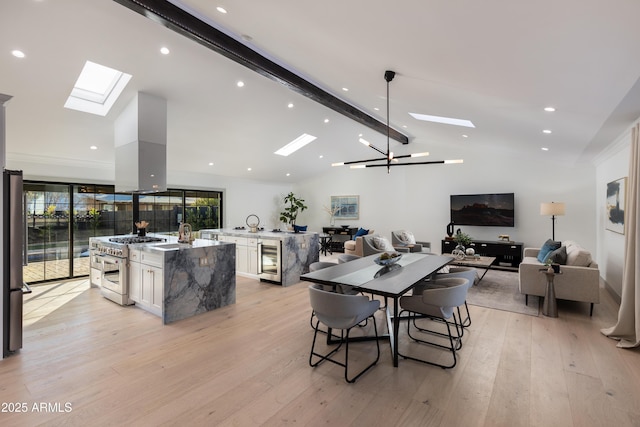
388	258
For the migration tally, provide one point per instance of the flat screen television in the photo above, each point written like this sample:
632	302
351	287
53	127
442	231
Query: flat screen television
495	210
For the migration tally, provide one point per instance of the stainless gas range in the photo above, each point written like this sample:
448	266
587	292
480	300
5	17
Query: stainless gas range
111	256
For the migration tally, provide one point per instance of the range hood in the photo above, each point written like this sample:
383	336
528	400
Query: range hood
141	145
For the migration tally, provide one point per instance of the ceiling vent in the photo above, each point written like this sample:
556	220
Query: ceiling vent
141	146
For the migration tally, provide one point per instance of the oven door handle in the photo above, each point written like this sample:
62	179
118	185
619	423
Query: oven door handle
259	257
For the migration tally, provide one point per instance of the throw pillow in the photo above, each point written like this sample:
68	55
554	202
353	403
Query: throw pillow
559	256
360	232
579	257
548	247
382	244
298	228
407	238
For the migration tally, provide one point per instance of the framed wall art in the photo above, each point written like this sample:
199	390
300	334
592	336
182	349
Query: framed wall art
616	198
346	207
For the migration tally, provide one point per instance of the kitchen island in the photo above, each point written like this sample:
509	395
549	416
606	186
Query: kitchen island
296	252
157	273
180	280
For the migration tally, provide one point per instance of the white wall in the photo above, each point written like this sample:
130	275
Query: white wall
611	165
417	197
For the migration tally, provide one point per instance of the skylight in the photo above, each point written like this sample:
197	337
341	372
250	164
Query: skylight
445	120
97	89
296	144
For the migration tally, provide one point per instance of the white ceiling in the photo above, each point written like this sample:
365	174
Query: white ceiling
497	63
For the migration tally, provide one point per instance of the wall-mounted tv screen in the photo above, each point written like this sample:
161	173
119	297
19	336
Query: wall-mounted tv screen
495	210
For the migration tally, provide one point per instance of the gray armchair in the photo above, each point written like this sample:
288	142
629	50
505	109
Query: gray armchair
403	241
365	245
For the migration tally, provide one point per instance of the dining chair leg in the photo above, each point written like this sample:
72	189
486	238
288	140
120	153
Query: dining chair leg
455	342
344	339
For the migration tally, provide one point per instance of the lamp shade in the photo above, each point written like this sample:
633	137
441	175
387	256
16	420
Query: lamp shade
552	208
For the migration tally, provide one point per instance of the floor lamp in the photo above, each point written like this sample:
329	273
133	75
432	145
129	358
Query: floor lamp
554	209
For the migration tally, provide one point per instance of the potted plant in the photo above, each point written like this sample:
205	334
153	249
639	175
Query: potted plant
290	213
552	266
462	239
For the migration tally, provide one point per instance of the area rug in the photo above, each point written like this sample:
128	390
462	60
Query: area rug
499	290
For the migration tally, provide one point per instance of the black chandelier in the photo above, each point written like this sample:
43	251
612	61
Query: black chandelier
389	159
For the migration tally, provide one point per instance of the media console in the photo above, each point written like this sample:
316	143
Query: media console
507	254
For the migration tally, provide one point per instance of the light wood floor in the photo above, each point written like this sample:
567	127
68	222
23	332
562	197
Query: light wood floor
247	364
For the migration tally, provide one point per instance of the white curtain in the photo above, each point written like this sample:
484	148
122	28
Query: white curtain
627	330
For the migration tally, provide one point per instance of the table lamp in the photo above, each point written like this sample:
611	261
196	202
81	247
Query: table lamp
554	209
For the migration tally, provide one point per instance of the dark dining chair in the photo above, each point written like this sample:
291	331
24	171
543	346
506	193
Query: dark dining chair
343	312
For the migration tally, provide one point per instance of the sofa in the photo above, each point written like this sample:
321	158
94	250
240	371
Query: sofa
579	279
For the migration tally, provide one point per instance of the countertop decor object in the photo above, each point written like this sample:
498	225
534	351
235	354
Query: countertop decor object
253	222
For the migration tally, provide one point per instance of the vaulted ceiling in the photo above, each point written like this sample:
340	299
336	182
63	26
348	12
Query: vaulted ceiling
497	63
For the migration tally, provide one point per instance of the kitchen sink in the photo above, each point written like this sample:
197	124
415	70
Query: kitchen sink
167	246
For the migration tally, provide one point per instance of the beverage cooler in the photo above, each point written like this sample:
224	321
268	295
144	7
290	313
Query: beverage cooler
269	260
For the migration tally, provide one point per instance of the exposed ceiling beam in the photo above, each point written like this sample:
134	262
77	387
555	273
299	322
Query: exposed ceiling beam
188	25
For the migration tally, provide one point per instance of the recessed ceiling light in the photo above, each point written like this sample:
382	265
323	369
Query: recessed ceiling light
296	144
240	84
465	135
249	169
376	108
326	120
445	120
549	109
290	105
93	147
321	156
345	89
210	163
404	126
546	131
288	174
18	53
545	149
164	50
221	9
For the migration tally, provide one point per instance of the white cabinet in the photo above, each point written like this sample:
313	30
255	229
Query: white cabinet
246	253
135	285
252	254
146	280
153	288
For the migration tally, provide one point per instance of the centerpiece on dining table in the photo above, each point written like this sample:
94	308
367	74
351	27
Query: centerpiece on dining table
388	258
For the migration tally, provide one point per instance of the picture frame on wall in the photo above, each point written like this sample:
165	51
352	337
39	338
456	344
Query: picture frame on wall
615	205
346	207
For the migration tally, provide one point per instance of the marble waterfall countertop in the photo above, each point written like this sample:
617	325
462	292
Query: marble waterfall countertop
265	234
299	250
197	277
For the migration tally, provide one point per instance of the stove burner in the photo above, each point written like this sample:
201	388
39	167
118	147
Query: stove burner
135	239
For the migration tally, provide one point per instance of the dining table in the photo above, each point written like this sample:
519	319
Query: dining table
389	281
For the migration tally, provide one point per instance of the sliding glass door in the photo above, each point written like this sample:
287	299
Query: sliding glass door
62	217
48	231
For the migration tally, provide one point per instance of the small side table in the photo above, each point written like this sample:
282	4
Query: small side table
550	305
325	243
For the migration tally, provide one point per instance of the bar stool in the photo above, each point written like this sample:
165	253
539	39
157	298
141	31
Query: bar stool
325	243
